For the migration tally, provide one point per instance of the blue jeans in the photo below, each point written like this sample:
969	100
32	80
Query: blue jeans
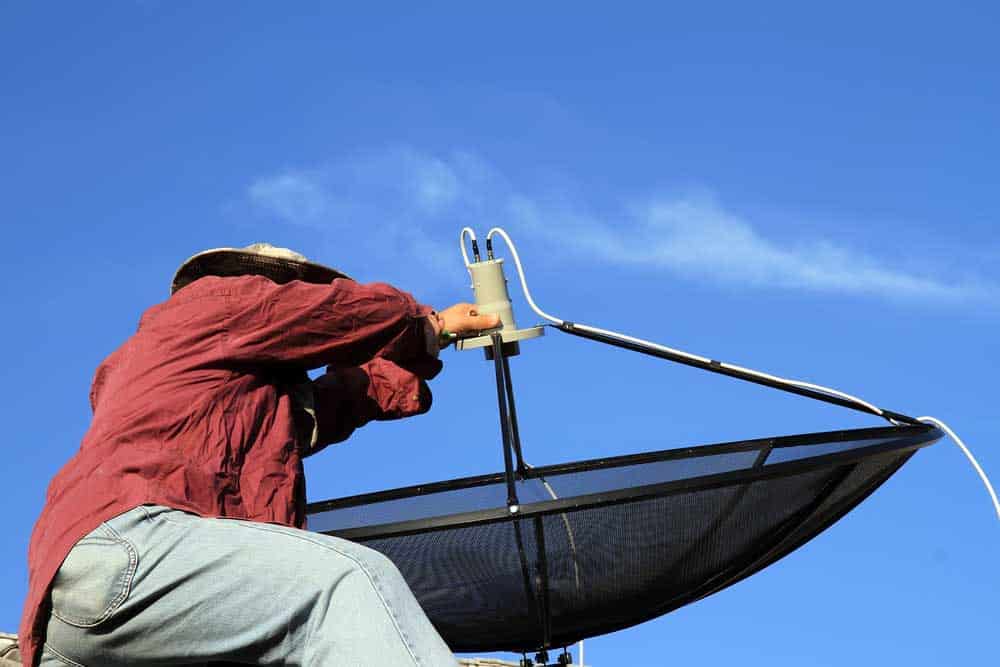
156	586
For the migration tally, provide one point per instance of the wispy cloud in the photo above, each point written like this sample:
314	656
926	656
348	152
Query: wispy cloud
409	204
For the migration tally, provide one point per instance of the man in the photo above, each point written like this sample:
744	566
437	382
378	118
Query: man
174	535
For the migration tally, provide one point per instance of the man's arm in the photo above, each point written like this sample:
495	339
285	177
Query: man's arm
342	324
345	399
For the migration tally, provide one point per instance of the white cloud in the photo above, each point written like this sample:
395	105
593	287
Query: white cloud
698	238
409	204
293	197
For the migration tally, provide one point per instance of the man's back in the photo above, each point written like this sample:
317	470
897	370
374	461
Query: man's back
196	410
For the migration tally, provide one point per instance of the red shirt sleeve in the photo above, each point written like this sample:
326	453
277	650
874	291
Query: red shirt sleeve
348	398
343	324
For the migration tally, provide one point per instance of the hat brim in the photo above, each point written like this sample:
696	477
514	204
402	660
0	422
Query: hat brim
227	262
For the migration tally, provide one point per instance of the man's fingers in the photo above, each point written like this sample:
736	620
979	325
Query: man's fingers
485	321
478	322
489	321
465	318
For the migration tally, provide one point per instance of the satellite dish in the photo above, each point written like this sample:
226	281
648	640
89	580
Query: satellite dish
536	558
600	545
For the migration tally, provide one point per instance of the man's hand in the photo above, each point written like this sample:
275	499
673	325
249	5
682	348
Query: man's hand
463	318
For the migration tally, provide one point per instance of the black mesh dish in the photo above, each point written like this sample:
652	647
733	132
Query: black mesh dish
601	545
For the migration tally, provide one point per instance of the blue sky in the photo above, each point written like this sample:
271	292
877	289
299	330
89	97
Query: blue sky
809	191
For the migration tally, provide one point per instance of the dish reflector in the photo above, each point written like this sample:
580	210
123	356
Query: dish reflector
601	545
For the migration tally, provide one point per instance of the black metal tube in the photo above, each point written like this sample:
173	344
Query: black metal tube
717	367
514	432
543	584
508	431
505	430
529	589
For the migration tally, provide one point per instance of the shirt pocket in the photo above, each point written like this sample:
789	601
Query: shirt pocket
94	580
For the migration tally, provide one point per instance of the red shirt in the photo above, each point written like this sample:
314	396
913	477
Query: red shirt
195	411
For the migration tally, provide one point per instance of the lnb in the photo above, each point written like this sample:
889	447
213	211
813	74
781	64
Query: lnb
489	285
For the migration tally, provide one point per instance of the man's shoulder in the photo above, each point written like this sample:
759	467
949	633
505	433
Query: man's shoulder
223	286
209	294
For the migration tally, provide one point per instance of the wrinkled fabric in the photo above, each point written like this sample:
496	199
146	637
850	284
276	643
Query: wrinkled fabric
197	411
156	586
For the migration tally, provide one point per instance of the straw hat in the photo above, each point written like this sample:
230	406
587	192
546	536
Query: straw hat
259	259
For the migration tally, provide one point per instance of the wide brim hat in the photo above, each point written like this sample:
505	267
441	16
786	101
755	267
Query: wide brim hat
259	259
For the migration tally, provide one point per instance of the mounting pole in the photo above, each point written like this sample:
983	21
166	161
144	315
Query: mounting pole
515	440
508	429
536	583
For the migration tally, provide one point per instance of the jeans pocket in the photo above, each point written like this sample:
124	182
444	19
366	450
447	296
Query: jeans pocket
94	580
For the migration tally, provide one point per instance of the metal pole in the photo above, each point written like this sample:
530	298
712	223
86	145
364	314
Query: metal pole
505	426
543	583
717	367
515	434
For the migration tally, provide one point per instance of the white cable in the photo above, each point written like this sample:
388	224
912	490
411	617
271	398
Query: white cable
569	529
734	367
670	350
640	341
809	385
572	544
972	459
461	242
520	272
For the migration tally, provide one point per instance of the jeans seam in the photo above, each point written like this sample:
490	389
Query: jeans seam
125	582
60	657
133	564
361	565
161	517
166	519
